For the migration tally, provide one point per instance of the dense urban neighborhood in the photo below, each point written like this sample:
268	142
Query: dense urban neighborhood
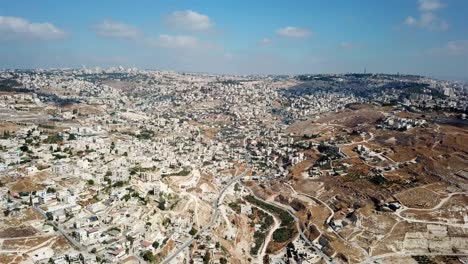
139	166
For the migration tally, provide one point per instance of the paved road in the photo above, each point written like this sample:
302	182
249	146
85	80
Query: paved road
301	232
60	230
441	203
276	225
214	216
438	206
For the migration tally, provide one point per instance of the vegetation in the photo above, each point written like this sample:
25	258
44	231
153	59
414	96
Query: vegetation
283	234
149	256
329	151
286	230
378	180
183	172
130	239
6	134
145	135
423	260
118	184
235	206
24	148
193	231
284	216
50	216
206	257
266	221
54	139
155	244
162	204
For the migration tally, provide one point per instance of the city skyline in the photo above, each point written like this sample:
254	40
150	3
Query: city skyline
426	37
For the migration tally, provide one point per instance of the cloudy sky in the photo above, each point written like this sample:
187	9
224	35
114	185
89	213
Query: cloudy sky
427	37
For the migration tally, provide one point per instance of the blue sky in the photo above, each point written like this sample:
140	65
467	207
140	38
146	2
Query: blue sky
427	37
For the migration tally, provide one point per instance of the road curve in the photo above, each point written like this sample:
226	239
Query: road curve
326	258
214	216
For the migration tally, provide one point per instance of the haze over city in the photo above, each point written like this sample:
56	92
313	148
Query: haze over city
428	37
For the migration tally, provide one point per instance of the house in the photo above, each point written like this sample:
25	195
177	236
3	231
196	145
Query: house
74	257
12	157
45	197
60	259
81	235
145	244
93	233
3	167
150	176
72	210
118	253
60	216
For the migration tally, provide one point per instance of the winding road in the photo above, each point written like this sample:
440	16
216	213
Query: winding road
276	224
441	203
214	217
326	258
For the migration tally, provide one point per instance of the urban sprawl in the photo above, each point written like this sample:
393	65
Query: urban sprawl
138	166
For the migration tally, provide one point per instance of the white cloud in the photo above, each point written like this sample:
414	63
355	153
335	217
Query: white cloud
428	21
265	41
427	18
293	32
115	29
410	21
189	20
456	48
430	5
175	41
17	27
432	22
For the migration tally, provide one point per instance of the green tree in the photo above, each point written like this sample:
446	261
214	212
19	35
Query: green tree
155	244
193	231
24	148
130	239
148	256
50	216
207	257
162	204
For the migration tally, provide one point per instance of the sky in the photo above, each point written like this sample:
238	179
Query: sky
427	37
